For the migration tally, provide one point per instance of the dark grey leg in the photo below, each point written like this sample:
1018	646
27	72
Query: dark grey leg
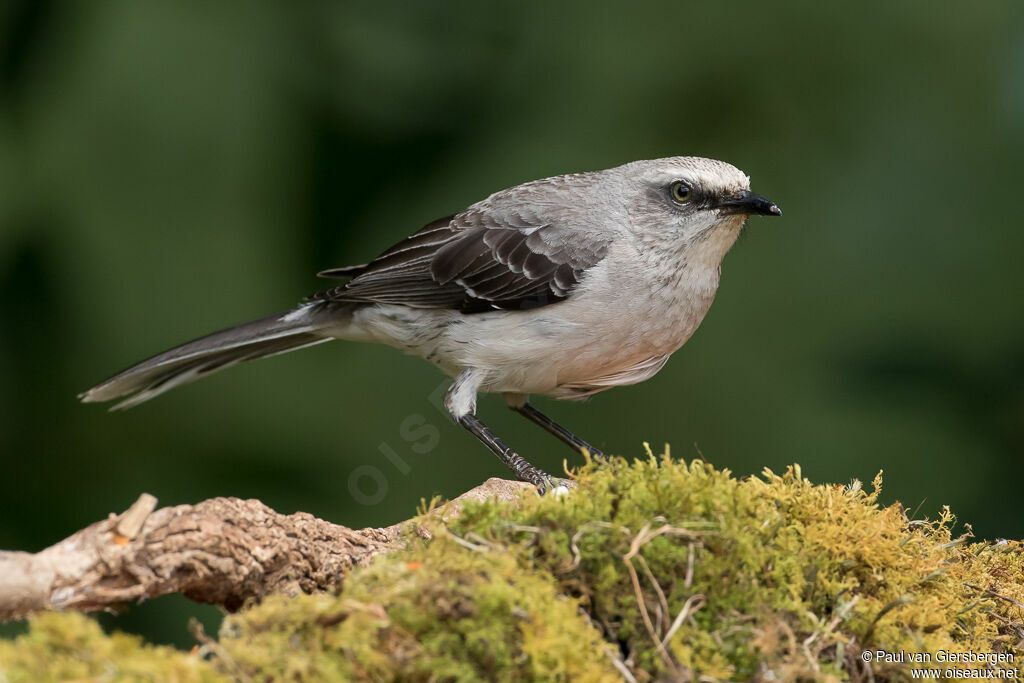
564	435
523	470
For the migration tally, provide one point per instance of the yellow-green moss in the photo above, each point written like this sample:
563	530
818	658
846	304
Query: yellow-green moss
779	579
448	614
794	578
73	647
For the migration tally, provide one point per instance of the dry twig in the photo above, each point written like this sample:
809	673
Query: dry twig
222	551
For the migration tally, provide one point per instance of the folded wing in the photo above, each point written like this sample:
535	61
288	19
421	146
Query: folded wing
480	260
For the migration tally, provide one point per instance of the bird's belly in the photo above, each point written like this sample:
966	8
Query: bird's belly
566	353
574	348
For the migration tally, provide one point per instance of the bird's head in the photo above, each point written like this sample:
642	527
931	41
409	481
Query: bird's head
690	203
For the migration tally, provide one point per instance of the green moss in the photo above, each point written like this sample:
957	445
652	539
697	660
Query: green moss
449	613
73	647
666	568
788	576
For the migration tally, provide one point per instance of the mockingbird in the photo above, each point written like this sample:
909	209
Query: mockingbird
564	287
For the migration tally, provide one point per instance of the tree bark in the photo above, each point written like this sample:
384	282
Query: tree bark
222	551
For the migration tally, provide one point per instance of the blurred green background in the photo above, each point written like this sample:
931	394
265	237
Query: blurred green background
169	169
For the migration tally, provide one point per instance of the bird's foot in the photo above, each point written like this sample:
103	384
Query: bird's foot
556	487
546	484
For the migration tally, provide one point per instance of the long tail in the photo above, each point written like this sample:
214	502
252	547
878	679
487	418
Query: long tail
268	336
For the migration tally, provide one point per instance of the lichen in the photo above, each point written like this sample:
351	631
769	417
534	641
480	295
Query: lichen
661	568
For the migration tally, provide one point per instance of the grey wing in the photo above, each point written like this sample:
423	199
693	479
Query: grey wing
479	261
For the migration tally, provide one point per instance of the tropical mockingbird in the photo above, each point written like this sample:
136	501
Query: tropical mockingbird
564	287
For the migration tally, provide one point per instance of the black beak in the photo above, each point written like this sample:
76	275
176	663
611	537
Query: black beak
750	204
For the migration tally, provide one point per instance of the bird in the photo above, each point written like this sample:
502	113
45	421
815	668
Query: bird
563	287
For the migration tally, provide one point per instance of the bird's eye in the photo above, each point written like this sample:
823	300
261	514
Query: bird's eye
681	192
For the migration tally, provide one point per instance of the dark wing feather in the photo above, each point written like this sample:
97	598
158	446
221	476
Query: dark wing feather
342	273
478	261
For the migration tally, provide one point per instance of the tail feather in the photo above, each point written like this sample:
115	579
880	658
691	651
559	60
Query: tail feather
261	338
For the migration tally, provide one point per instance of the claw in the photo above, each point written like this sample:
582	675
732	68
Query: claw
552	485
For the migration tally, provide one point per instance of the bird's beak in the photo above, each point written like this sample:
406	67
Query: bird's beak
750	204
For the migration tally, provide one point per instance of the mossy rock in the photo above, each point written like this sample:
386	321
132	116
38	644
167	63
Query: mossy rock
656	569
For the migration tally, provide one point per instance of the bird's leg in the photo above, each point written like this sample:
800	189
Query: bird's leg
461	403
523	470
518	403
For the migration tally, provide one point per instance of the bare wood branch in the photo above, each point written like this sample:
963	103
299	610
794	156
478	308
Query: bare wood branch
221	551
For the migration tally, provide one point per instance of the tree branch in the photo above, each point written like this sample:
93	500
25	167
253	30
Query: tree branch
221	551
